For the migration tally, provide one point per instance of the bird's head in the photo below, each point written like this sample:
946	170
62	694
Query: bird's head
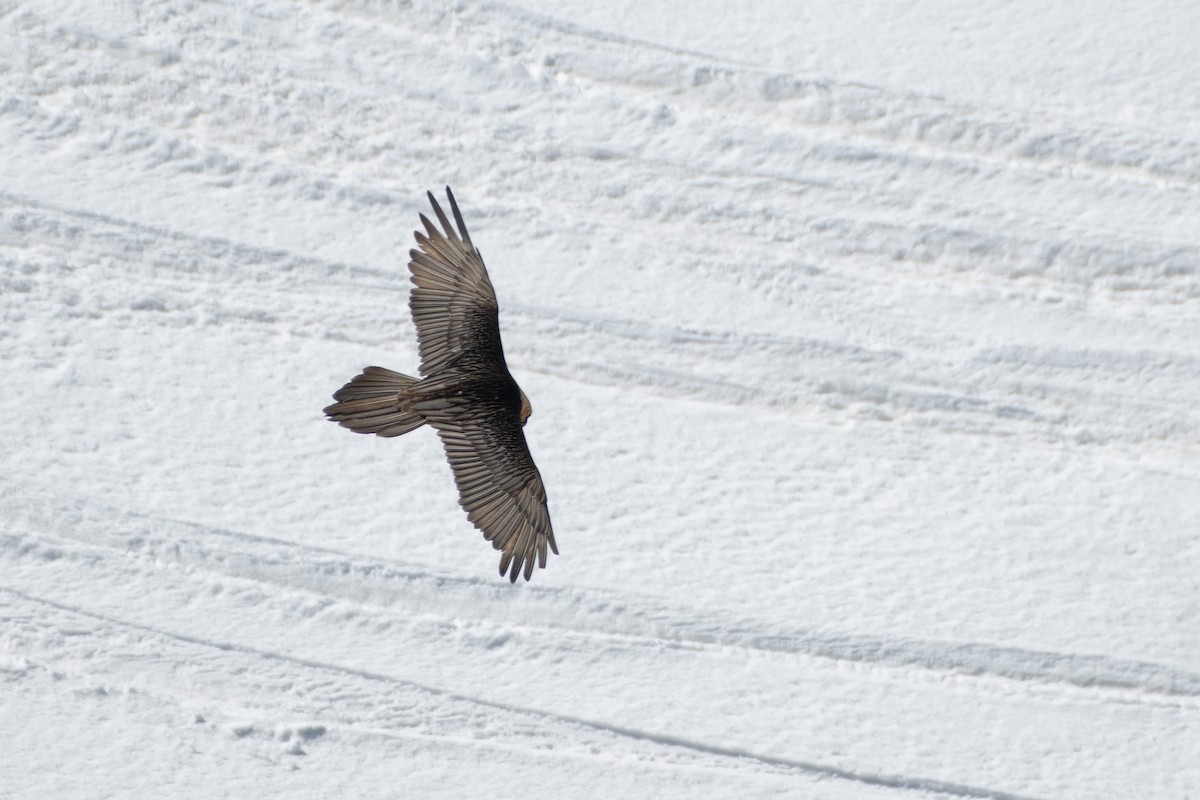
526	409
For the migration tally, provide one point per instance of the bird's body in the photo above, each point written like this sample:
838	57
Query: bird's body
466	393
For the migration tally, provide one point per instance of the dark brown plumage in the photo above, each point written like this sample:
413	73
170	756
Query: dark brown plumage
466	394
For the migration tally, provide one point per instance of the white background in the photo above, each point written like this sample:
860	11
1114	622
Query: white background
863	349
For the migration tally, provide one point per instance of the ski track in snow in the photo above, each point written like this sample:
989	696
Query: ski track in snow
433	714
547	612
870	433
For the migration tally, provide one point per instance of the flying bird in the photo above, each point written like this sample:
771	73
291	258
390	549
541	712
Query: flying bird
465	393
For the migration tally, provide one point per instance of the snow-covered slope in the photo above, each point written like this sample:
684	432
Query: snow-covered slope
865	397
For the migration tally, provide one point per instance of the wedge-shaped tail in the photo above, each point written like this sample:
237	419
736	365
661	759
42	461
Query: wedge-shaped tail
377	401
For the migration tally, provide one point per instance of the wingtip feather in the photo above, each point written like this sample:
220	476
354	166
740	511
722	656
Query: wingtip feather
458	218
441	215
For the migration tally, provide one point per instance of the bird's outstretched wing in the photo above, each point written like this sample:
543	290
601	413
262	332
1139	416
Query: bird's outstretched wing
469	397
452	301
499	486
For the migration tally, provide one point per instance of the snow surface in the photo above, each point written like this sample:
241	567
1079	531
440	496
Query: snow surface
863	349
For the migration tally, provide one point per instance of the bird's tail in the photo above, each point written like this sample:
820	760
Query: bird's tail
377	401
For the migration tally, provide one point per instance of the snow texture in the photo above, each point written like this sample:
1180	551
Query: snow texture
863	349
